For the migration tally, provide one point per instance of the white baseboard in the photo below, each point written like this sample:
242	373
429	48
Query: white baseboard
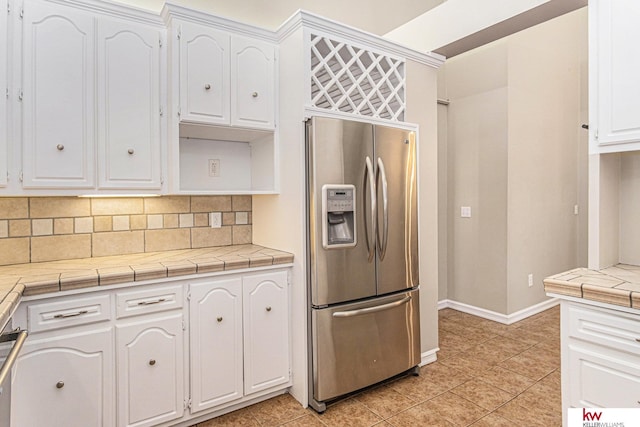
506	319
429	356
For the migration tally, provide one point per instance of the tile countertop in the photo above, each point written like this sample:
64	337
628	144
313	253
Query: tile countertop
618	285
45	277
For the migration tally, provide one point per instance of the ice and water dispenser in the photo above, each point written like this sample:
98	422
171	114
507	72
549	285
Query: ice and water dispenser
338	216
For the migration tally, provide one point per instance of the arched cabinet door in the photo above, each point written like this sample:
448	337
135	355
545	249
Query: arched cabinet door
253	83
150	382
58	128
266	330
128	112
68	379
204	74
215	310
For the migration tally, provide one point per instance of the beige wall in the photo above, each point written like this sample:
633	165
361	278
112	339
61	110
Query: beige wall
629	199
515	156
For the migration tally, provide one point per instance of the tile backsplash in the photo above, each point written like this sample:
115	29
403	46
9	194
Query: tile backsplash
36	229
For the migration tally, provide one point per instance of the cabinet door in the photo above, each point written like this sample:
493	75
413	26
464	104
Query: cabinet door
204	74
602	378
614	33
266	330
4	85
128	73
216	343
65	381
150	383
58	96
253	83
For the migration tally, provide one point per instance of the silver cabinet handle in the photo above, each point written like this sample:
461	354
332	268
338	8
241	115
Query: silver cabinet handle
19	337
382	247
60	147
152	362
130	151
60	384
219	319
268	308
370	179
638	339
207	86
254	94
374	309
158	301
64	316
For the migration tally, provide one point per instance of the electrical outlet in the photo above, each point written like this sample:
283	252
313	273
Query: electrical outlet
214	168
530	279
215	219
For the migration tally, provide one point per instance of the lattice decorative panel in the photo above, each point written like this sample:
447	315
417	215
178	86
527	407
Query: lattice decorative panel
354	80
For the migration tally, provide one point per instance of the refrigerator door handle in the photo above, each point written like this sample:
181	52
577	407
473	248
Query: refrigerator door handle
370	237
375	309
382	247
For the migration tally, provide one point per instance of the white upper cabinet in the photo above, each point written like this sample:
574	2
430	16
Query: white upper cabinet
204	71
57	96
128	105
252	88
614	69
224	79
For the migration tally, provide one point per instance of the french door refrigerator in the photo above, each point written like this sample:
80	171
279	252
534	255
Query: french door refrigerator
362	239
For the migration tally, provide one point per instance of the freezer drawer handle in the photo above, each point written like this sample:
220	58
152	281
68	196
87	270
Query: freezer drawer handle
370	310
19	338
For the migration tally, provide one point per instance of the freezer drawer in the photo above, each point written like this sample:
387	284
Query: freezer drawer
357	345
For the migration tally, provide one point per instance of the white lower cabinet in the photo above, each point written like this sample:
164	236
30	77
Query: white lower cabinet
239	337
216	343
600	357
64	380
125	358
150	365
266	330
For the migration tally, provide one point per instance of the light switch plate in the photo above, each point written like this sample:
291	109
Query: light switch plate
465	211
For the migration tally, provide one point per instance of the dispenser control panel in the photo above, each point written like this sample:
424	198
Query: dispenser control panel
339	200
338	216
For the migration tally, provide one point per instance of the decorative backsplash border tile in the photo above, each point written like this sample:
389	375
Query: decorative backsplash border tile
37	229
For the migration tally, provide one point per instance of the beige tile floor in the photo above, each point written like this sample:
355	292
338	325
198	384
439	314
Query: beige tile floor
487	375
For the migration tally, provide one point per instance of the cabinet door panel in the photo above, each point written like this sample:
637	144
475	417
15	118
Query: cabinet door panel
150	371
129	105
204	74
617	64
252	90
69	379
216	343
58	96
266	330
601	378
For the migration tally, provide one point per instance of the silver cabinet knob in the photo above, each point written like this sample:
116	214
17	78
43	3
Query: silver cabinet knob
268	308
130	151
254	94
152	362
207	86
60	384
60	147
219	319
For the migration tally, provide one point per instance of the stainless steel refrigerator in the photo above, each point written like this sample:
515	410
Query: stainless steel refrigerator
364	321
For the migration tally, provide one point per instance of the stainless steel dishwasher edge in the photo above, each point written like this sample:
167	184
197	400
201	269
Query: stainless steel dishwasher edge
18	337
